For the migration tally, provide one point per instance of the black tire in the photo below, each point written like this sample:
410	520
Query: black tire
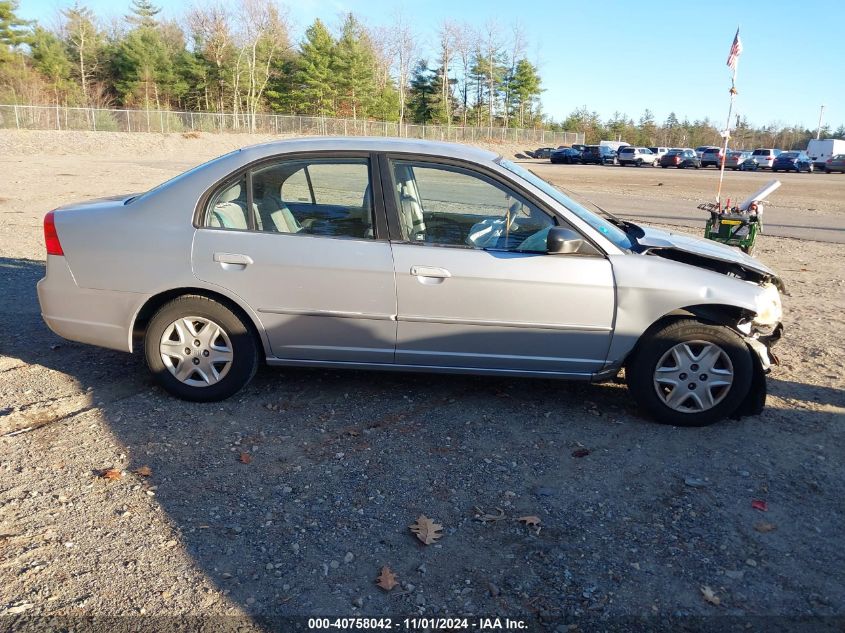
640	370
639	162
665	166
244	348
827	171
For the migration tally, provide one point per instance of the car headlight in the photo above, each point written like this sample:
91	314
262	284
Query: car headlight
769	307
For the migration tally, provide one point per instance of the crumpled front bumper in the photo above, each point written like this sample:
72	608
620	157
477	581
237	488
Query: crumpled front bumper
762	341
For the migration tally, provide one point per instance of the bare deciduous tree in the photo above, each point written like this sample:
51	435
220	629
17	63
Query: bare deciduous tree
403	47
466	43
261	36
212	32
449	34
517	52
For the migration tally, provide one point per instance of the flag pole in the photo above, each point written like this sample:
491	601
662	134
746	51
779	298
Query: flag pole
725	144
733	92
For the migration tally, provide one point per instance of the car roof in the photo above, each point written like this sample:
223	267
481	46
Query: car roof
371	144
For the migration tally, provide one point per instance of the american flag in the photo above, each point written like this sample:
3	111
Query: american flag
736	51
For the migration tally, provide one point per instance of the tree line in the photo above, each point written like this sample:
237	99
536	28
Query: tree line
673	132
240	58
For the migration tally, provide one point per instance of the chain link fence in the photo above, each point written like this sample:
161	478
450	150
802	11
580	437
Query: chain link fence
24	117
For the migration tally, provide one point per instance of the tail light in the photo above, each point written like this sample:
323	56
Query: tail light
51	237
677	159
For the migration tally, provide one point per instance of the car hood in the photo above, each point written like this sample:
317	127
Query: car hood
705	253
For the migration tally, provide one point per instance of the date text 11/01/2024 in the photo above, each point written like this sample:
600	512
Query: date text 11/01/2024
480	624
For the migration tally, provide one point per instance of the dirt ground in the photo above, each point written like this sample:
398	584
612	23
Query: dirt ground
643	526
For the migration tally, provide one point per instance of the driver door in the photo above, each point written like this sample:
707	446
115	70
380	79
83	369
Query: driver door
475	287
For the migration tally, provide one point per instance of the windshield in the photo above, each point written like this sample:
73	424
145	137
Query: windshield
610	231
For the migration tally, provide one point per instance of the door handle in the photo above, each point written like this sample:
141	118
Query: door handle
233	258
430	271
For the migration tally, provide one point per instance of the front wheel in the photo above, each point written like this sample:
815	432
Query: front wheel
200	350
689	373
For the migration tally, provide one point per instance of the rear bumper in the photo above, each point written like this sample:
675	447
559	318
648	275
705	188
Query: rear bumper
96	317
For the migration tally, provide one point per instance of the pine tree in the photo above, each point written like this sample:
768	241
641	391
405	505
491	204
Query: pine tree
647	134
143	13
314	86
354	66
50	59
525	90
422	94
12	28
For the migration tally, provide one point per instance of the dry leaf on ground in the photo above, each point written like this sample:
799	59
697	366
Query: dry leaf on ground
764	527
112	473
531	520
759	504
245	458
426	530
143	471
580	452
386	579
710	595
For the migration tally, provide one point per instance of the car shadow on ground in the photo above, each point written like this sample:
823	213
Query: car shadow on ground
292	495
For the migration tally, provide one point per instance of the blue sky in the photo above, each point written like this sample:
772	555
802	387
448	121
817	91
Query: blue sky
628	56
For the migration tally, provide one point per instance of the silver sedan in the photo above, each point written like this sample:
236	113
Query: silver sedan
413	256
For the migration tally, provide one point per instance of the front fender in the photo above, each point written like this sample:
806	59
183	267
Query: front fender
650	289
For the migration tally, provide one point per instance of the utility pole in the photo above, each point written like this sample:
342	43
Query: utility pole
819	130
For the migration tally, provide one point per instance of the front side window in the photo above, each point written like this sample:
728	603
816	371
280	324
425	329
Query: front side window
610	231
450	206
329	197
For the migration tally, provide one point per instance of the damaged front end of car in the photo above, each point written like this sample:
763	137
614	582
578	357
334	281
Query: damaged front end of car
761	328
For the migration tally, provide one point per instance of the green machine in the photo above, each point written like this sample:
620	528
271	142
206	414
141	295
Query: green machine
738	225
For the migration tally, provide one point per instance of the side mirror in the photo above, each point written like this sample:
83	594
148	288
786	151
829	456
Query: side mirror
562	241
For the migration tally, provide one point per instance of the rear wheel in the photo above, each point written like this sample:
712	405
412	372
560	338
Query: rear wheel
639	162
689	373
200	350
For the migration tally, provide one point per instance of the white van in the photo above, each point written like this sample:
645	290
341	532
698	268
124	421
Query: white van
820	149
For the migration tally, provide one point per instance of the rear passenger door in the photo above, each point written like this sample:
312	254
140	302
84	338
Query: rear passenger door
298	240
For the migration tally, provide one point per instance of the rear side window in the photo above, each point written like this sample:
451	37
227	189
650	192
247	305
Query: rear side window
228	208
328	197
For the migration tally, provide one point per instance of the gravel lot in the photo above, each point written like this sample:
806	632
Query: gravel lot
288	499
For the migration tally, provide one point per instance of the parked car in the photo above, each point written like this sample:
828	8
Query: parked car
237	261
711	156
543	152
820	149
792	161
764	157
598	155
835	163
680	158
567	155
659	151
749	164
735	158
699	151
638	156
